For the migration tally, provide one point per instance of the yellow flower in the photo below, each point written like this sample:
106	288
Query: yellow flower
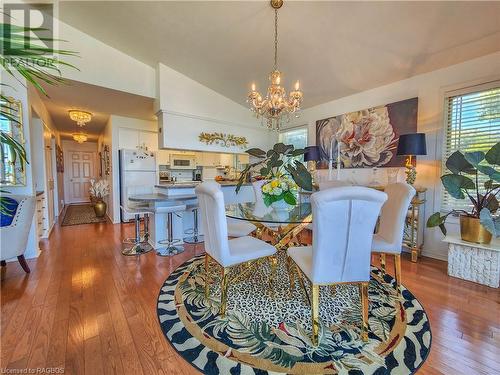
275	183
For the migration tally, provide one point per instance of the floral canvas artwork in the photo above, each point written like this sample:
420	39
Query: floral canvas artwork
367	138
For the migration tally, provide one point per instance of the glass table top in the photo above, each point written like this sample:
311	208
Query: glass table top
250	211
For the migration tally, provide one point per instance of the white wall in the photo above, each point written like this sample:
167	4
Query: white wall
102	65
430	89
186	108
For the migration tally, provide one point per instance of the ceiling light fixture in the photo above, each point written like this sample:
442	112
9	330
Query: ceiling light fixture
276	106
80	137
81	117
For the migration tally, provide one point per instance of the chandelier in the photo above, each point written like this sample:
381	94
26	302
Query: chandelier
276	107
80	137
81	117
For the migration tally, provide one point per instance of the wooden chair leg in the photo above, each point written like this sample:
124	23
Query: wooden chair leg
397	271
382	263
363	291
315	314
223	292
23	263
206	276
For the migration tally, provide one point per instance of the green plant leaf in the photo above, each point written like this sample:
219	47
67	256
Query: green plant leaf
257	152
289	198
491	225
303	180
493	155
491	203
457	163
434	220
298	152
455	184
474	158
443	229
280	148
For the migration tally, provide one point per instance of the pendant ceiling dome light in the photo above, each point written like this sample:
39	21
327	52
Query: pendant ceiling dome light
80	137
80	117
276	107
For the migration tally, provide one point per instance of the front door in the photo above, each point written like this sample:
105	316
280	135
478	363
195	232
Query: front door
81	170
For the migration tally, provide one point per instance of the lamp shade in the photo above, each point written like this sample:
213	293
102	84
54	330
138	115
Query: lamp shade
312	153
412	144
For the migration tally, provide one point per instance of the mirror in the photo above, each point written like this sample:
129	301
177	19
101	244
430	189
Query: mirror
12	168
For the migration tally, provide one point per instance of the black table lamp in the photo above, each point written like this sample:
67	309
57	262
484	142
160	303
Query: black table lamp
411	145
312	156
312	153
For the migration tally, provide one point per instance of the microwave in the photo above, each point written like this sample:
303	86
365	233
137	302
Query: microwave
181	161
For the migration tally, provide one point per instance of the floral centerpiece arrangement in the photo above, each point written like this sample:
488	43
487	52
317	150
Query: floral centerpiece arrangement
98	191
283	172
280	188
479	224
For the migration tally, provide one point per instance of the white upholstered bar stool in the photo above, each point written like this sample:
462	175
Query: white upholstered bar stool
139	244
389	237
343	222
172	244
195	238
225	252
131	207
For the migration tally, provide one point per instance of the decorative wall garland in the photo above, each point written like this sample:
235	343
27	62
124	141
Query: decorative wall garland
223	139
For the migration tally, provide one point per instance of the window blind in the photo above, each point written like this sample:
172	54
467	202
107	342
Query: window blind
296	137
472	124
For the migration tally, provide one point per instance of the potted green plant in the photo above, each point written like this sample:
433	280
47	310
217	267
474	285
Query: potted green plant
478	225
282	170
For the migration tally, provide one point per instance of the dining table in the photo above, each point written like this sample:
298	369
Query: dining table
282	224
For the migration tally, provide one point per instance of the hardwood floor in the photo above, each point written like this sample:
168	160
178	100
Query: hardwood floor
89	310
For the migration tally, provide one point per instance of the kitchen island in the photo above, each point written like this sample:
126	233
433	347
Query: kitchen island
183	223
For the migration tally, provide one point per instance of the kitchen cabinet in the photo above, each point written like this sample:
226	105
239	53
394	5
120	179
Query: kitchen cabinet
148	139
226	160
131	139
163	157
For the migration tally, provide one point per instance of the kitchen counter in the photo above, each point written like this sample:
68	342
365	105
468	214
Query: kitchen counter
186	185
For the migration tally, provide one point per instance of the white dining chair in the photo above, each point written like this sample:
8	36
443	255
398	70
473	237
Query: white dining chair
343	223
225	252
389	237
239	228
323	185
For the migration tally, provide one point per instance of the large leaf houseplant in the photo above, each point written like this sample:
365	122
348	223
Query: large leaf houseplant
26	59
283	173
463	182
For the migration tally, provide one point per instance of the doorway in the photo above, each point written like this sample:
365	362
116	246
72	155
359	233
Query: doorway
80	166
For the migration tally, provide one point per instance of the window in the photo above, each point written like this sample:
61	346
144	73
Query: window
296	137
472	124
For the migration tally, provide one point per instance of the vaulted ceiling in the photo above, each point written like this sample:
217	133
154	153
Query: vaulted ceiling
334	48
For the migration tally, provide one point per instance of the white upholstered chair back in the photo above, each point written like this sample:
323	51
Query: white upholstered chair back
213	219
394	211
343	224
14	237
323	185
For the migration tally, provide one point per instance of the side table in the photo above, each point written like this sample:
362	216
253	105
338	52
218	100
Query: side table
474	262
